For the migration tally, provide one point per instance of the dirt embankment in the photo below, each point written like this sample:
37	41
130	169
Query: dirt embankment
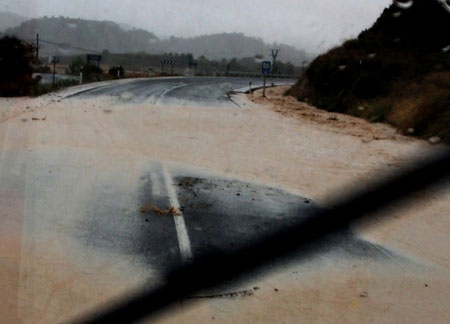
335	122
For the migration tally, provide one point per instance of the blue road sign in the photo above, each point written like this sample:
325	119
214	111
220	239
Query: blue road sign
266	65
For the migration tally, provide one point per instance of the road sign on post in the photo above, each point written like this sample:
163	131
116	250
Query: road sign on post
265	69
53	60
95	58
168	62
266	66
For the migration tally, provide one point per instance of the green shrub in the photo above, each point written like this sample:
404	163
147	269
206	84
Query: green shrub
15	63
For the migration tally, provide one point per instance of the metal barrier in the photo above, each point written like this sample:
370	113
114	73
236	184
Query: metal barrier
259	75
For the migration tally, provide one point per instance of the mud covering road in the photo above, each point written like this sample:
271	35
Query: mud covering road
101	195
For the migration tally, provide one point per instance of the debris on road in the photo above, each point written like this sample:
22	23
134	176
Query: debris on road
330	121
150	208
242	293
434	139
35	118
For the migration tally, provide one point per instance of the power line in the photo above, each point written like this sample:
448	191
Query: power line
66	45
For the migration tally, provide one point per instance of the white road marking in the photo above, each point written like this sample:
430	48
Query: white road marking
161	96
180	226
156	184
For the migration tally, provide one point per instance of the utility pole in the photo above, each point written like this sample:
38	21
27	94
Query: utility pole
54	72
264	86
37	48
53	60
304	66
274	57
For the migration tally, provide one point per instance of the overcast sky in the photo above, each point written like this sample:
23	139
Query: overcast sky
314	25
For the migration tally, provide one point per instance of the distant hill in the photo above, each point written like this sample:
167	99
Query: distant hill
10	20
228	46
81	36
89	35
398	71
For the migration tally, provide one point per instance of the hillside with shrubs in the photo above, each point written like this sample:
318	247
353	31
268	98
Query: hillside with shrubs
398	71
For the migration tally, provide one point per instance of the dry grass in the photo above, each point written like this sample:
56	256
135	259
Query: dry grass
423	107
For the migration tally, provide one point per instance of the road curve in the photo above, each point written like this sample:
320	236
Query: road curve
184	91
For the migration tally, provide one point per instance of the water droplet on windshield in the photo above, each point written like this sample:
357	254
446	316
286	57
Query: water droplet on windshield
226	87
404	4
206	90
126	95
446	4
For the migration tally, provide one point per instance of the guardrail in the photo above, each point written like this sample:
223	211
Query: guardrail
46	78
260	75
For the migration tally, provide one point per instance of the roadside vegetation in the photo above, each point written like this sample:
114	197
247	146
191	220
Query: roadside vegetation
15	63
142	62
398	72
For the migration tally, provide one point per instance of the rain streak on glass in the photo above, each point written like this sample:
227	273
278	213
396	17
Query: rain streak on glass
404	4
446	4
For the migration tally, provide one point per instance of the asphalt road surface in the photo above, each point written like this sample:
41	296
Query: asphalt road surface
211	214
185	91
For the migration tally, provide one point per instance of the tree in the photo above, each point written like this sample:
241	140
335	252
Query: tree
106	55
76	66
117	71
15	66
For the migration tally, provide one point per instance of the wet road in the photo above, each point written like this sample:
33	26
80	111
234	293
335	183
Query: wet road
181	214
213	214
87	190
184	91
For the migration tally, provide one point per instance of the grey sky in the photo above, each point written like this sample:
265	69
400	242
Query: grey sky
314	25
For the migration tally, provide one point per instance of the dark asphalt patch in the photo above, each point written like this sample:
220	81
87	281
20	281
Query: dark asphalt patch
221	215
148	238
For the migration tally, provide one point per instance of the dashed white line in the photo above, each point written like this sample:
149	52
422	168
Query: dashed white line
180	226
